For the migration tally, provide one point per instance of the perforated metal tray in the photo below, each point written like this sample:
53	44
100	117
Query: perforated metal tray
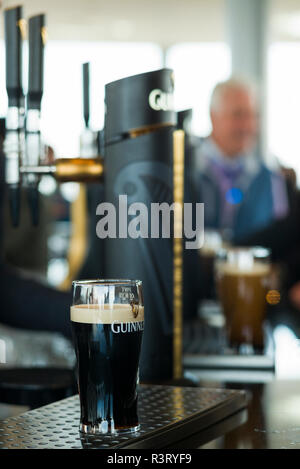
167	414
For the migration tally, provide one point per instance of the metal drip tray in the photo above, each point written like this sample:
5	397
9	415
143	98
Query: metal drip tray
167	415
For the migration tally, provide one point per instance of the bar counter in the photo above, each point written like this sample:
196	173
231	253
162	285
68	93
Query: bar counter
273	419
267	417
169	415
273	389
241	408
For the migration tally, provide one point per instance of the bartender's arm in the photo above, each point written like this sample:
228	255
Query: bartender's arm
30	305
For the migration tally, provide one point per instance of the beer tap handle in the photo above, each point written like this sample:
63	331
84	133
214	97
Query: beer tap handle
36	42
88	138
86	92
14	141
14	24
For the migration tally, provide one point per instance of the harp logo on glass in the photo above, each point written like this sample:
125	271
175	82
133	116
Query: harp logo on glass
162	220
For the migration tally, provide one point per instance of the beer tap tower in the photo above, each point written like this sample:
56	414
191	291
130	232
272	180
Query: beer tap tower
88	138
144	160
14	145
36	39
83	208
23	147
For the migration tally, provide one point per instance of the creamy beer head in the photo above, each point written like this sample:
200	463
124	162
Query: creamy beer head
257	268
107	314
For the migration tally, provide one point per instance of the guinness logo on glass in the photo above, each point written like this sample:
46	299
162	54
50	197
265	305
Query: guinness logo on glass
160	100
126	327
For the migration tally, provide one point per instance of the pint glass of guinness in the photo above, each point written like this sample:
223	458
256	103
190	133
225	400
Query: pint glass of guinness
107	318
243	280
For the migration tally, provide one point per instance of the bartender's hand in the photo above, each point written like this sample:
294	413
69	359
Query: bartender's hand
294	295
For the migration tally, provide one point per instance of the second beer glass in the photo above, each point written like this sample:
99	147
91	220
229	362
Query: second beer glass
107	319
243	280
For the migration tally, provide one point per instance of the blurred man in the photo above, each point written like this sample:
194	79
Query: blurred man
241	195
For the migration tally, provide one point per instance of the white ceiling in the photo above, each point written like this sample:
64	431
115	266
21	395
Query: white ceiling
162	21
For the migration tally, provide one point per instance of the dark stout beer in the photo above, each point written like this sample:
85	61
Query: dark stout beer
107	342
242	293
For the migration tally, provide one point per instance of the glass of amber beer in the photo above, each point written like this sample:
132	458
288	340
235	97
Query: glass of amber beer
243	279
107	318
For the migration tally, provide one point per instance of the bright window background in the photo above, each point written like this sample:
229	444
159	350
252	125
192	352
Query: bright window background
62	120
284	104
198	67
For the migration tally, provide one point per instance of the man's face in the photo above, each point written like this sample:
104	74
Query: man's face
235	122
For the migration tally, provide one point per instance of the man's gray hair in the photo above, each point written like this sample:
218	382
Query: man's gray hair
233	83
